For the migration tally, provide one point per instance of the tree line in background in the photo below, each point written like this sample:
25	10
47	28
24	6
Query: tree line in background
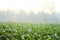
31	17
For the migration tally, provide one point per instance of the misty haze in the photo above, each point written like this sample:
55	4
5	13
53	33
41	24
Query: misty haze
10	16
29	19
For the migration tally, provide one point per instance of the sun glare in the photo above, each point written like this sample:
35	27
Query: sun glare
28	5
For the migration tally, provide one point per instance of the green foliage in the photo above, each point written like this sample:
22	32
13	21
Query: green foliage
27	31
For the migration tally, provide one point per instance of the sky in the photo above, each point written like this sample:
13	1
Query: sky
29	5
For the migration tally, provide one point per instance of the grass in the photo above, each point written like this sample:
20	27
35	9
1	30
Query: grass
28	31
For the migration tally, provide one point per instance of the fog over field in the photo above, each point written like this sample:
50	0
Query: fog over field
45	11
29	17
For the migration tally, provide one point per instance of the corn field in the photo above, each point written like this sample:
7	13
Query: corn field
29	31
